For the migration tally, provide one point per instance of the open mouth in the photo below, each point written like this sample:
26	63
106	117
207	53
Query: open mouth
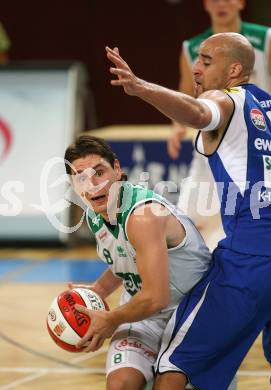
99	197
197	85
222	14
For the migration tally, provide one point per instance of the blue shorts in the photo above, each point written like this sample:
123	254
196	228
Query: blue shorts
213	328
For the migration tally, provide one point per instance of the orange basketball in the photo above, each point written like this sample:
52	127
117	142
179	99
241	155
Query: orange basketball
65	324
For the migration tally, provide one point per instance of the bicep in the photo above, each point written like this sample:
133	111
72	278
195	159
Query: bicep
147	235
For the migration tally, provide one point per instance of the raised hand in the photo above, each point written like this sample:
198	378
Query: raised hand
126	78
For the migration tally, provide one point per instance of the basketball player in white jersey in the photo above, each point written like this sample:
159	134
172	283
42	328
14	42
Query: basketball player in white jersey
150	247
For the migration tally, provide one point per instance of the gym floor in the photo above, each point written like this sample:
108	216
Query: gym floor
30	279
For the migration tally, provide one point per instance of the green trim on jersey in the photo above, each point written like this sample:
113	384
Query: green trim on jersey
194	43
95	221
133	195
255	33
130	195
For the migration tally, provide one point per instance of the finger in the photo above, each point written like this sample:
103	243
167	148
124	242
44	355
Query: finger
116	50
84	310
112	52
175	149
94	344
98	344
109	50
119	72
172	150
120	82
85	340
116	59
172	153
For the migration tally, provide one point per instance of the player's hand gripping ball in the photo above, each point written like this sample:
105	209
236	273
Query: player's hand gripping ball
65	324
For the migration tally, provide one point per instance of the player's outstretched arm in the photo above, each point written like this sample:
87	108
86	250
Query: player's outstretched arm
173	104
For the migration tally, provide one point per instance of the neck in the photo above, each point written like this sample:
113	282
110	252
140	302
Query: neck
237	82
233	26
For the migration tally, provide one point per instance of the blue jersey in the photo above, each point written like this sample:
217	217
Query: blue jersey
241	166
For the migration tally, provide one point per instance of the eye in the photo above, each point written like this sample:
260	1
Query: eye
99	173
81	178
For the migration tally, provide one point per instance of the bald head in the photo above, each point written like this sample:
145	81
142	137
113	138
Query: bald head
236	49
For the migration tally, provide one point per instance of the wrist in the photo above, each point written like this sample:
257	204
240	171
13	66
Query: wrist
98	288
115	318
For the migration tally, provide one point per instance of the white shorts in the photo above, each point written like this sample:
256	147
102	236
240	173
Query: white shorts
136	345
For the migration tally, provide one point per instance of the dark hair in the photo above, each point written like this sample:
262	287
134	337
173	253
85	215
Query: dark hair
85	145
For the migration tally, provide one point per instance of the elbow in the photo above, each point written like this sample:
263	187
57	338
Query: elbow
161	302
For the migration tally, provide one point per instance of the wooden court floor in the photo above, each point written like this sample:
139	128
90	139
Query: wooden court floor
30	360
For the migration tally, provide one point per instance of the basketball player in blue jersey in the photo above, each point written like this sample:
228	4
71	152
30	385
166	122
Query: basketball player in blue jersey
214	327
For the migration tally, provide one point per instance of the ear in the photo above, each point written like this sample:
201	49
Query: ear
242	4
236	69
117	169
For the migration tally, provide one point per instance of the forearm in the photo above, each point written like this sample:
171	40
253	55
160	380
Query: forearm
107	283
141	306
175	105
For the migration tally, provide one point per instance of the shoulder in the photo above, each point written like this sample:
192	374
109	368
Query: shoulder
147	220
148	213
191	46
218	96
256	34
134	197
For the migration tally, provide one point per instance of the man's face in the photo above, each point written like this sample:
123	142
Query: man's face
211	70
223	12
92	179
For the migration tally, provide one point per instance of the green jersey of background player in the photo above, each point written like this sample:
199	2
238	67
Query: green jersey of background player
149	246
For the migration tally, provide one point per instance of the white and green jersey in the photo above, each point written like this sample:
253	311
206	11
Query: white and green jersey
259	36
187	262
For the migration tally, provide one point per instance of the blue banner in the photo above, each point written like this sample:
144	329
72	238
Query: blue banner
148	163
